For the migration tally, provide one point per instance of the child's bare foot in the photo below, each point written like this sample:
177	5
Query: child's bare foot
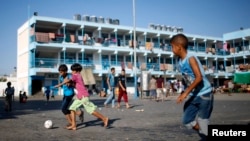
106	122
196	127
68	125
71	128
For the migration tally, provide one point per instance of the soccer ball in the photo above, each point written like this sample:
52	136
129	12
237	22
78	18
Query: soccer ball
75	91
48	124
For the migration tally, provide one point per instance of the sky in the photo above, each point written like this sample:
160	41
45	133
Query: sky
201	17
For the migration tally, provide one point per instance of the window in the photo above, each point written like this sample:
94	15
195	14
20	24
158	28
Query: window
128	58
105	58
130	81
168	60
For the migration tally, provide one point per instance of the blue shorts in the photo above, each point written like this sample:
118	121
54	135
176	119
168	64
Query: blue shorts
199	107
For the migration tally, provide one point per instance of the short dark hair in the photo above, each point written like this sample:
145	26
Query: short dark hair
8	83
76	67
112	68
123	70
180	39
63	67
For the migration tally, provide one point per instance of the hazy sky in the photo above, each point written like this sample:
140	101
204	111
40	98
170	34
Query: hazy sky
202	17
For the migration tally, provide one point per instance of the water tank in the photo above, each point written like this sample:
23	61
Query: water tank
85	18
158	27
168	28
174	29
116	21
108	21
77	17
100	19
93	19
163	27
151	26
179	29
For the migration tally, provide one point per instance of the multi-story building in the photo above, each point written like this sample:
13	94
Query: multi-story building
100	43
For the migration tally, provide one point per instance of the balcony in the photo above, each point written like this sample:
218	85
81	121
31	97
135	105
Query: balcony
103	66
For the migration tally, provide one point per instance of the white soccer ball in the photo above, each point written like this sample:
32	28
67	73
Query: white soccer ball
48	124
75	91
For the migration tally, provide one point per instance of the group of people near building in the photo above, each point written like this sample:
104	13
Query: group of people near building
9	94
194	87
121	85
159	89
197	91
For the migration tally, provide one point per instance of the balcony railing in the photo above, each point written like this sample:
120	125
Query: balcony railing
103	65
41	37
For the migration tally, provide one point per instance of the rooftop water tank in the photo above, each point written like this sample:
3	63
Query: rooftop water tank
100	19
116	21
163	27
77	17
151	26
35	13
85	18
168	28
108	21
158	27
174	29
93	19
179	29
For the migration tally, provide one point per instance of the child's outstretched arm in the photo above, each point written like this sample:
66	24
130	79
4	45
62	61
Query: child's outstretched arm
64	82
198	78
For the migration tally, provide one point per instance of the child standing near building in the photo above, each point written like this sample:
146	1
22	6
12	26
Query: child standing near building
111	86
47	93
152	88
122	90
9	92
197	88
82	97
